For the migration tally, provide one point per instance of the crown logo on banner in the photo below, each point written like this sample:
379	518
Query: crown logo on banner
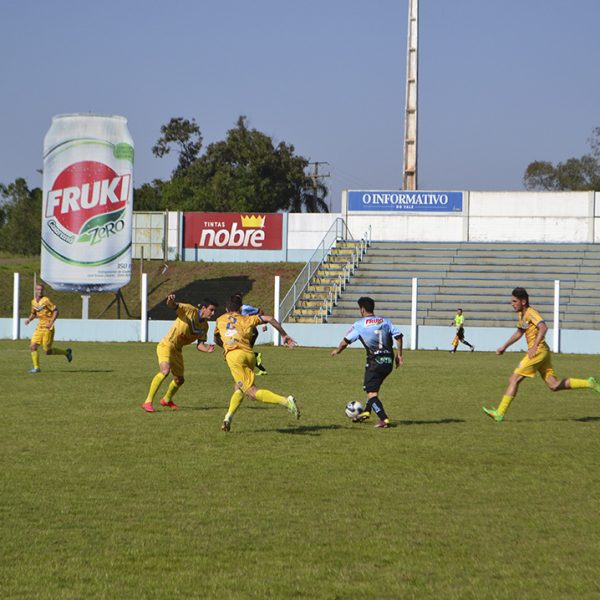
253	221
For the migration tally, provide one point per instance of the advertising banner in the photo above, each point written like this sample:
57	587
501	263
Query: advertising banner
404	201
233	231
87	203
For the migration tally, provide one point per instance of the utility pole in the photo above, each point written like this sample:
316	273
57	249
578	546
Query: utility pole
409	180
316	177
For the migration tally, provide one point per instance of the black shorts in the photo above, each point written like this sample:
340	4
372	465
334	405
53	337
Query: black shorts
376	370
253	337
460	333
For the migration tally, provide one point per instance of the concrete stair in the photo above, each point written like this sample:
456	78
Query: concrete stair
477	277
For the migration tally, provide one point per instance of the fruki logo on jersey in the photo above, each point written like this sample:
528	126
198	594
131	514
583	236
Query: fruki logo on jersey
370	321
87	203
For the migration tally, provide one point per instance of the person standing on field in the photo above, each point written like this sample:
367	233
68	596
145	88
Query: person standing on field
46	313
537	360
191	325
377	335
458	322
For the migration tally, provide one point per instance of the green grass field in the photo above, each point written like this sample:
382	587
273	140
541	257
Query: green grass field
101	500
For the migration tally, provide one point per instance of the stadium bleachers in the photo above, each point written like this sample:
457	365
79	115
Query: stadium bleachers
478	277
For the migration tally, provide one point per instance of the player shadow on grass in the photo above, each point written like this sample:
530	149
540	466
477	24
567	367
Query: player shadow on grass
587	419
75	371
305	429
436	422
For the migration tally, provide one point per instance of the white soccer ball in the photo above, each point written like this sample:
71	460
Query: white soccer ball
353	409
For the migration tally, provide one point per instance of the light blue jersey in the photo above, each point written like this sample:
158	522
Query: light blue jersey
247	309
376	334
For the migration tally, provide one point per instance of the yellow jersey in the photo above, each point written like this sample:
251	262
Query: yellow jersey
529	321
188	327
43	310
236	330
459	320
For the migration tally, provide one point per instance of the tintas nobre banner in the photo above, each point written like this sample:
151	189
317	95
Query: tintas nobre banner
399	200
233	231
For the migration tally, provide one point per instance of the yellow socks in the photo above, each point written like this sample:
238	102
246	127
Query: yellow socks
156	381
270	397
579	383
35	358
234	403
504	404
171	390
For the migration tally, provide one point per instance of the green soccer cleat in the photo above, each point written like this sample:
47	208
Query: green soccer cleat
595	384
293	407
260	373
493	414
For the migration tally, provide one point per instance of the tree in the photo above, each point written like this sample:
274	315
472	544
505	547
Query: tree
245	172
184	135
573	174
20	218
149	196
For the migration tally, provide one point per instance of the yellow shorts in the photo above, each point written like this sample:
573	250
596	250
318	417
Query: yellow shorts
241	364
167	354
541	362
43	337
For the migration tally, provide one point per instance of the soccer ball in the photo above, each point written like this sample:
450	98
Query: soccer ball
353	409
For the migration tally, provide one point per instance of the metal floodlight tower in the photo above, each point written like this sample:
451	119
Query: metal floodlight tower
409	179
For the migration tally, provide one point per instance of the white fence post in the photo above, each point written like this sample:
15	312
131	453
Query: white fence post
16	323
144	311
85	306
276	309
556	331
413	315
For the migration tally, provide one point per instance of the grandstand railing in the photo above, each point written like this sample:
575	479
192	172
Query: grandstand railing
340	285
337	232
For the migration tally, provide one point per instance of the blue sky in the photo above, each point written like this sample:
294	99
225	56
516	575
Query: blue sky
501	83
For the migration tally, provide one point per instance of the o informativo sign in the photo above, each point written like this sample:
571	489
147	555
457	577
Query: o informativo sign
404	201
233	231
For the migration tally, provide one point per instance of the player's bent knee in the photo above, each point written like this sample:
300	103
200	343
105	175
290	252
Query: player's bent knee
179	380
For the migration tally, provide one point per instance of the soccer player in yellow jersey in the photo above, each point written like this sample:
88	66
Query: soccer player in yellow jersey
233	332
191	325
458	322
46	313
532	325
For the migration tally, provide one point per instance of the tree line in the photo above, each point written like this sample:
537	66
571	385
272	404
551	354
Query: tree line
245	172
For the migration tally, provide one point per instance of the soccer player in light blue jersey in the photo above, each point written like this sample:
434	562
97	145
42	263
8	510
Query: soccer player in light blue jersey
377	335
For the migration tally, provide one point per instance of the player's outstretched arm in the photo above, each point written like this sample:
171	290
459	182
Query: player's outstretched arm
515	337
341	347
53	319
285	338
171	301
399	359
203	347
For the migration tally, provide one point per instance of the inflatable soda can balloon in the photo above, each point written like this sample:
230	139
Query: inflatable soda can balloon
88	203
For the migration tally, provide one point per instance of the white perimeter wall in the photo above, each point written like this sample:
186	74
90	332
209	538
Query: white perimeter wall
542	217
